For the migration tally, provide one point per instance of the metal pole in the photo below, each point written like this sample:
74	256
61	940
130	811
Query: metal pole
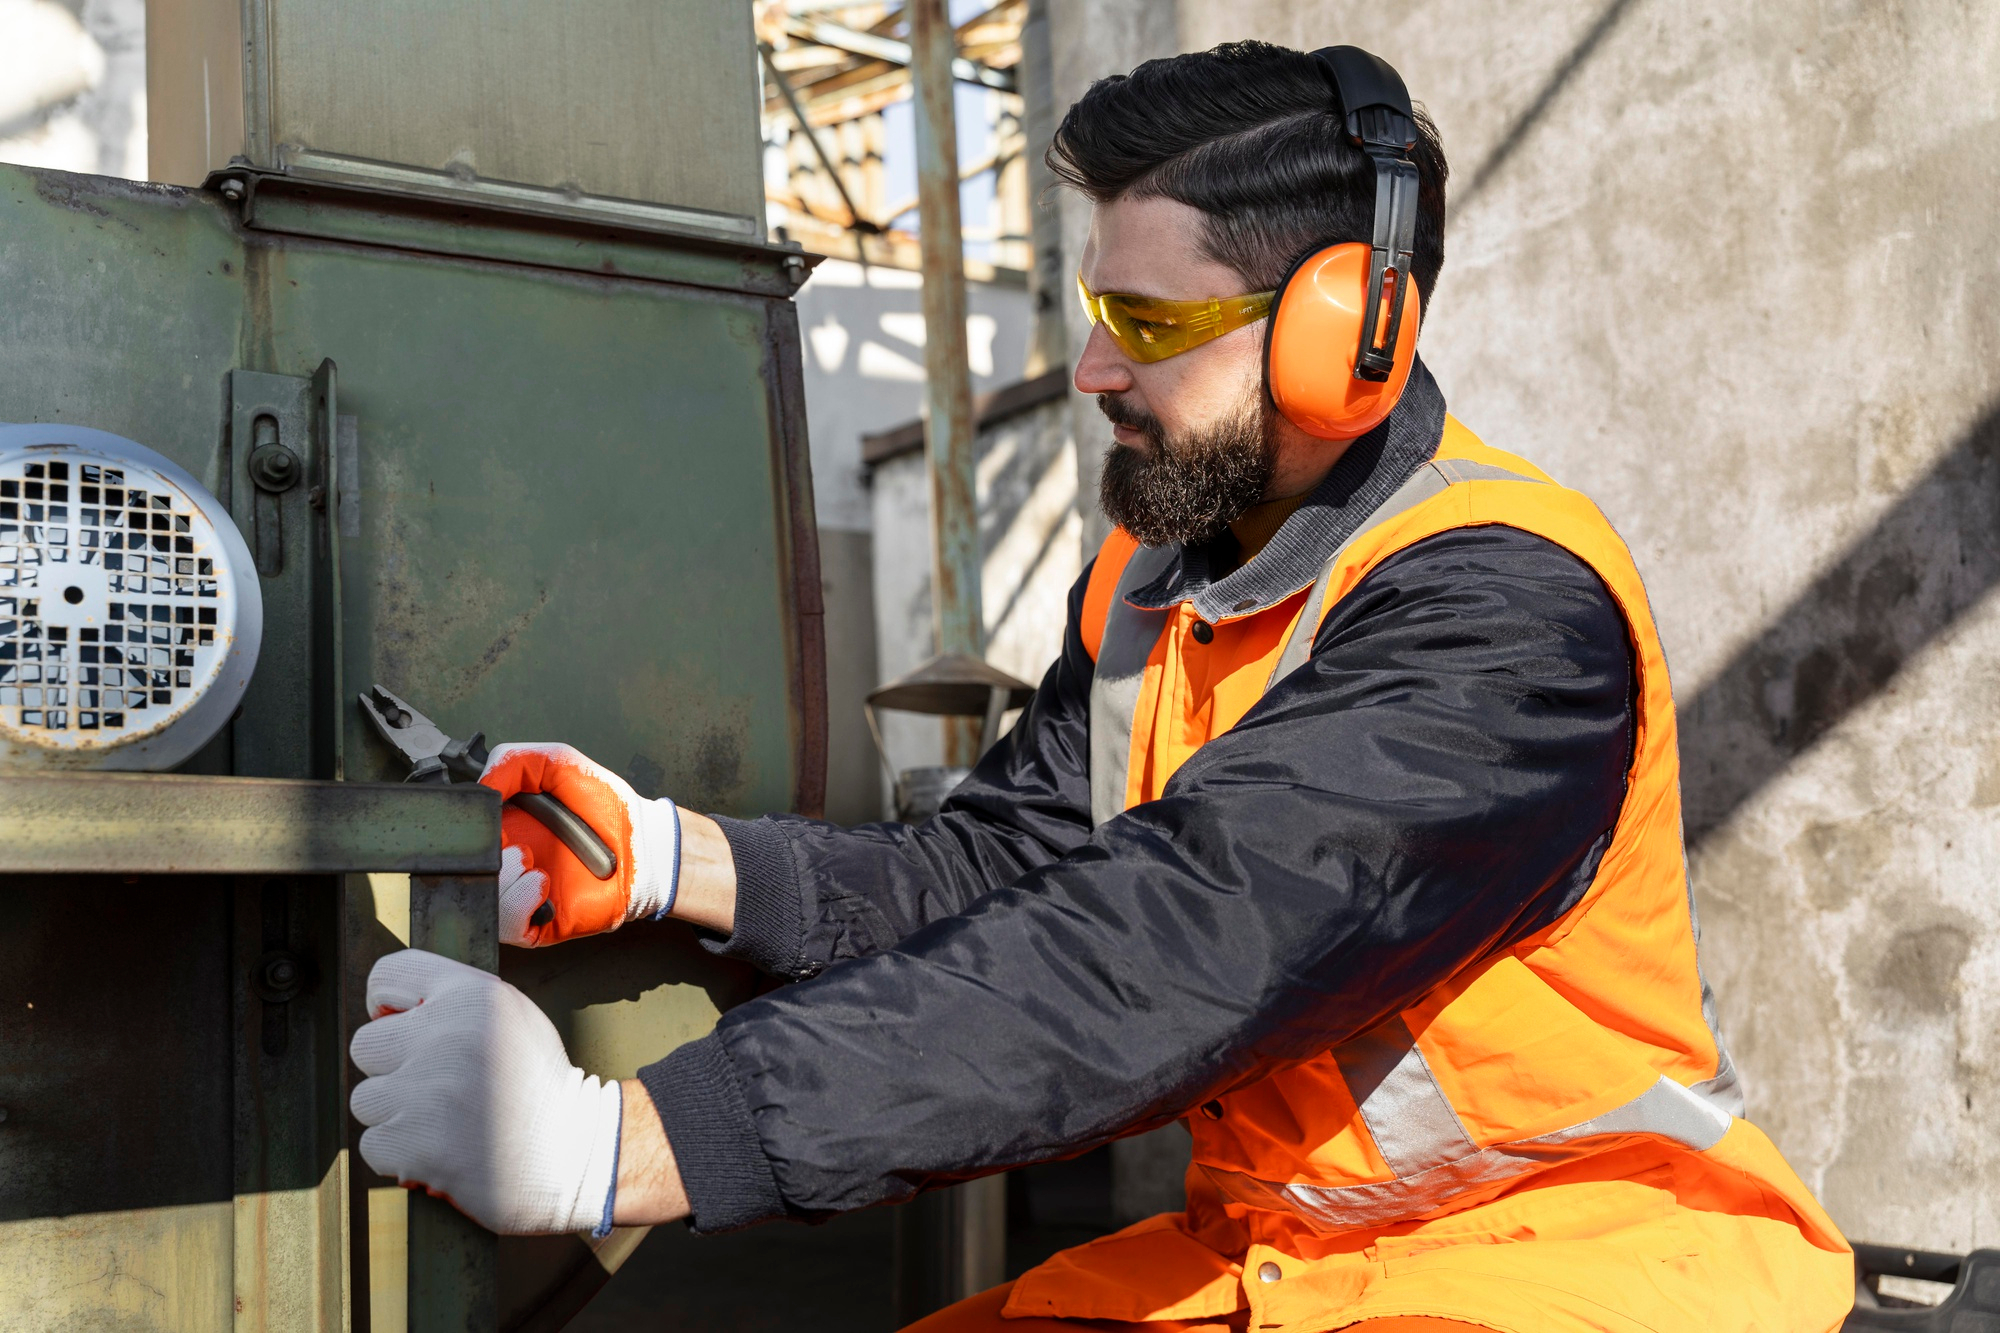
950	1244
955	563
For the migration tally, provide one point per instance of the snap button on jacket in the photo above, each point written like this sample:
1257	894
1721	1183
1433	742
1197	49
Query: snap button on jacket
1550	1140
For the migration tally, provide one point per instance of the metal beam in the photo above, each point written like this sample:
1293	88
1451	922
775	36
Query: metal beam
454	1263
877	47
134	823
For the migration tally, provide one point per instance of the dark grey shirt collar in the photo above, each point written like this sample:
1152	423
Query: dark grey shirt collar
1366	475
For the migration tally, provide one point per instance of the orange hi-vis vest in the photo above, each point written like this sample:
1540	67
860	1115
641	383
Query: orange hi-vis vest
1550	1140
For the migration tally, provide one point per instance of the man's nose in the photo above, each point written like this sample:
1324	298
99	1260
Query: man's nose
1102	368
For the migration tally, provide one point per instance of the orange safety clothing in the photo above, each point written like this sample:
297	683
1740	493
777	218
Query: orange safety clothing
1550	1140
982	1314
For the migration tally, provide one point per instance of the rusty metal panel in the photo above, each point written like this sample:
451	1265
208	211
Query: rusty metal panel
544	458
290	1064
576	506
116	1084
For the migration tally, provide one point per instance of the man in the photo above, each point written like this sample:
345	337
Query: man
1346	829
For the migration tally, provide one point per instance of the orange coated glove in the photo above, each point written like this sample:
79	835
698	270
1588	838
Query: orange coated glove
536	868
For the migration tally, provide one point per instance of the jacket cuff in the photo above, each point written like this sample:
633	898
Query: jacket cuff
770	905
722	1164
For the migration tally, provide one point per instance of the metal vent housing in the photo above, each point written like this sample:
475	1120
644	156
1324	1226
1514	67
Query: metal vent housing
130	614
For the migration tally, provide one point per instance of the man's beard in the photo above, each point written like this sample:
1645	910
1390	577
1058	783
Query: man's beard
1188	488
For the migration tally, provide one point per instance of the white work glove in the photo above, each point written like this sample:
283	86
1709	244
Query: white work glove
470	1095
535	867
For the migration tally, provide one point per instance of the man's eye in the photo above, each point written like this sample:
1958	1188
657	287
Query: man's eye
1149	331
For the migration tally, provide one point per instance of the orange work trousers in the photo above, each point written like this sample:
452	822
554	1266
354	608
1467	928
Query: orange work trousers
981	1314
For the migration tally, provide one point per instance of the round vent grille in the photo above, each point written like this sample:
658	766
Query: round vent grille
129	611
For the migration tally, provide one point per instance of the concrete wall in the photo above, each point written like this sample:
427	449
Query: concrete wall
1732	270
1089	39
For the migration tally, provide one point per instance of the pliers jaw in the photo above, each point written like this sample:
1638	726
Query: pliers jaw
431	755
416	738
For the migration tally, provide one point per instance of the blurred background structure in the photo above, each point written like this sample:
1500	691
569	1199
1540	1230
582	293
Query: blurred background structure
73	85
1729	269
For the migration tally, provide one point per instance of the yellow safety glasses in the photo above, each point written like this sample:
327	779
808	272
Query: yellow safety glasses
1149	328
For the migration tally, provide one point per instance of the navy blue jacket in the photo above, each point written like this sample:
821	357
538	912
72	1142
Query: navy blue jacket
1004	984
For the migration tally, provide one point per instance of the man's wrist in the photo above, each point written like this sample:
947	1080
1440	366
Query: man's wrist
706	892
649	1189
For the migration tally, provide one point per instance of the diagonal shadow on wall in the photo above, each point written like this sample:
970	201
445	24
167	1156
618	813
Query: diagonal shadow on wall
1929	560
1531	116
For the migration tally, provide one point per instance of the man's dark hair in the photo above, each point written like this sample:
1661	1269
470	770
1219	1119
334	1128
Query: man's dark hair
1249	134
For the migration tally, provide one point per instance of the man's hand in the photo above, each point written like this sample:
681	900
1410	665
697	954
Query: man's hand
536	868
471	1096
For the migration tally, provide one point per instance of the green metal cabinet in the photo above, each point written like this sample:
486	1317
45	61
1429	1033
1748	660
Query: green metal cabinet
555	488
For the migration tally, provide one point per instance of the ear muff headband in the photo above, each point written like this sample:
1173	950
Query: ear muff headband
1353	295
1380	121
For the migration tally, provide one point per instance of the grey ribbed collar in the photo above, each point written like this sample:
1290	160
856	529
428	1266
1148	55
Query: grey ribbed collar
1366	475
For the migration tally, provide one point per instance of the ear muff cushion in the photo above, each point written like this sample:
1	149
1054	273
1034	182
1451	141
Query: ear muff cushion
1315	334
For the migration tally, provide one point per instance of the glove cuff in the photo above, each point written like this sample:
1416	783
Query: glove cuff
656	857
597	1195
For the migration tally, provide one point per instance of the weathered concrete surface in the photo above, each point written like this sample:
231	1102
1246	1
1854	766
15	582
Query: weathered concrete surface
1731	270
1090	39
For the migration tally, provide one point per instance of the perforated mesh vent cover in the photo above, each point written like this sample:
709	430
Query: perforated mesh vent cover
122	605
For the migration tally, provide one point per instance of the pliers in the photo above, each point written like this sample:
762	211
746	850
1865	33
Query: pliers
436	757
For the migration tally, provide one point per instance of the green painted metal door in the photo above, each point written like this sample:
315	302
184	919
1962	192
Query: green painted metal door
556	489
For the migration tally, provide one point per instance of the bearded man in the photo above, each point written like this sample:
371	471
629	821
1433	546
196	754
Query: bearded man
1345	830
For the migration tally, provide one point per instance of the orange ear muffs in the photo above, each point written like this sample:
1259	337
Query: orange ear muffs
1315	339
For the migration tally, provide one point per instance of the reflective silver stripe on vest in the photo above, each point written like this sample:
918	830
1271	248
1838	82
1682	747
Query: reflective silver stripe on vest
1425	482
1725	1090
1407	1114
1129	636
1666	1111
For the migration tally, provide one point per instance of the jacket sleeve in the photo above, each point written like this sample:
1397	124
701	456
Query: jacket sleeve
1437	781
810	893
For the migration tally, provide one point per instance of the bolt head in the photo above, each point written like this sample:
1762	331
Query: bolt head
275	468
232	190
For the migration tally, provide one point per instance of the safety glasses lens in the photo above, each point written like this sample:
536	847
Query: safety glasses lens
1151	329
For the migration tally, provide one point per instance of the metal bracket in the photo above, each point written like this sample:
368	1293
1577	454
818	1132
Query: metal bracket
284	437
